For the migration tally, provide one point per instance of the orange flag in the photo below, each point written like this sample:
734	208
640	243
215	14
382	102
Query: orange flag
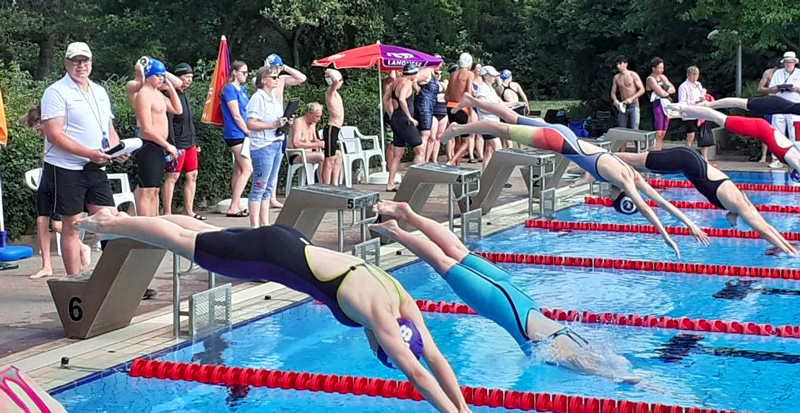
3	124
212	113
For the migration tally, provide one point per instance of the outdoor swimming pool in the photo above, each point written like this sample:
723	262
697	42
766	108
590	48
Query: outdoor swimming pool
721	371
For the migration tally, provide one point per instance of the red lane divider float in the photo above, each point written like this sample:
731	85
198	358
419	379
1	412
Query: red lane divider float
588	317
394	389
643	265
647	229
605	201
665	183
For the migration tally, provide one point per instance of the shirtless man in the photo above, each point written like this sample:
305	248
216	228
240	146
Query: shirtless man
630	88
151	108
330	135
460	83
763	87
304	136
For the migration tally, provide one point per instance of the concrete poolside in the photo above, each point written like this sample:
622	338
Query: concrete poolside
33	340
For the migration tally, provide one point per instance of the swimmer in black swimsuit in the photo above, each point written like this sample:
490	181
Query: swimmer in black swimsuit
359	294
712	184
602	165
761	105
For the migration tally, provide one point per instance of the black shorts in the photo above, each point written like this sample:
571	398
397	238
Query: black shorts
73	190
150	165
46	196
460	117
330	136
690	126
489	137
233	142
405	134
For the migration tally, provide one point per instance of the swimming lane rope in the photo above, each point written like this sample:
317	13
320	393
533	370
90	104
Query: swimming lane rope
642	265
605	201
666	183
647	229
682	323
388	388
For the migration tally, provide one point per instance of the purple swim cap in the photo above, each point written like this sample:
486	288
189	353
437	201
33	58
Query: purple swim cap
411	337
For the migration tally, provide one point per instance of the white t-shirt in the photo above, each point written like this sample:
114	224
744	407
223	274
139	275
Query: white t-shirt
781	77
265	108
487	92
87	119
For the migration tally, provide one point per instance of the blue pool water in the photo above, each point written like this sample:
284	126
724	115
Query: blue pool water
306	337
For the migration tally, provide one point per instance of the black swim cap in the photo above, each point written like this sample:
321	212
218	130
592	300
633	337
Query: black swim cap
624	204
410	69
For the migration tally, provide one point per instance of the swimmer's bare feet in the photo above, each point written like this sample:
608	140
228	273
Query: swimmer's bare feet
584	179
86	257
466	101
672	110
386	228
451	132
275	204
393	209
43	272
95	223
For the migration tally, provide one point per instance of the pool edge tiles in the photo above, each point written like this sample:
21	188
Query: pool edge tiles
111	356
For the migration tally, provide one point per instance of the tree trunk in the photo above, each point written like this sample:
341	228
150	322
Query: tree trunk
296	45
46	47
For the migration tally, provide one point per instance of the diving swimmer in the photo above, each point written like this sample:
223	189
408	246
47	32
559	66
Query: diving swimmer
713	184
757	128
487	289
358	294
602	165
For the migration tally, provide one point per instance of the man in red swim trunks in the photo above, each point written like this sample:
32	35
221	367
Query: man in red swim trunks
182	135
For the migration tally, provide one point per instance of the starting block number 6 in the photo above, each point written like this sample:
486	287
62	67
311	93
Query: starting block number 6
75	310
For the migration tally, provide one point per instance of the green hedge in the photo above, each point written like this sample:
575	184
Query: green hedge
24	151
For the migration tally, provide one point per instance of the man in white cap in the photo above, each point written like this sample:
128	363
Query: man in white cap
460	83
77	119
785	83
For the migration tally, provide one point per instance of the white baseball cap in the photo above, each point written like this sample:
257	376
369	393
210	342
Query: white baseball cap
789	56
489	70
78	49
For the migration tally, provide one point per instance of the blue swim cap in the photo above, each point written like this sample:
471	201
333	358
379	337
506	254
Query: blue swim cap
154	68
273	60
505	74
794	176
411	336
624	204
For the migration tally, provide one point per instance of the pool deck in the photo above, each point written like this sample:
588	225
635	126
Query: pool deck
33	340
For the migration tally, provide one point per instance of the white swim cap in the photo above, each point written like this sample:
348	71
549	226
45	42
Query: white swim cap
331	75
465	60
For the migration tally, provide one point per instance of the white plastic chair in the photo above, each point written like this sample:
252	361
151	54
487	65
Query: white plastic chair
125	194
307	170
351	153
367	154
32	179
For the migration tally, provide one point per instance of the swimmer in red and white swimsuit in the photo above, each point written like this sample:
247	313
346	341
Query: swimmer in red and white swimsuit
757	128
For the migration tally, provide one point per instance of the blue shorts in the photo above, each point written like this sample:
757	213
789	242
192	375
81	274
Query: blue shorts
485	287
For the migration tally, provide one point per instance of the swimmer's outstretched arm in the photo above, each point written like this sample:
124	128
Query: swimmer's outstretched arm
648	190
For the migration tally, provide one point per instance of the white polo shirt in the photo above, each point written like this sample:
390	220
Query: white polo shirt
87	116
781	77
487	92
267	109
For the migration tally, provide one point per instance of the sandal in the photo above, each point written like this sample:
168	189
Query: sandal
199	217
237	214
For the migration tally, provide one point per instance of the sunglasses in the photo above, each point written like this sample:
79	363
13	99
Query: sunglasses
273	77
437	73
79	62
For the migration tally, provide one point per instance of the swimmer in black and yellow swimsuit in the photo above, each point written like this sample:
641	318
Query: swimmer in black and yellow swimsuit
601	164
712	183
359	294
488	290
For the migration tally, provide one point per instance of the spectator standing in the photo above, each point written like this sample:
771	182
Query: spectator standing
289	77
264	117
182	134
440	119
691	92
403	123
78	125
332	165
628	85
660	88
233	102
785	83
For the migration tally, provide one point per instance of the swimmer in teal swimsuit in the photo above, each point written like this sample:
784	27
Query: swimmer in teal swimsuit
603	165
487	289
